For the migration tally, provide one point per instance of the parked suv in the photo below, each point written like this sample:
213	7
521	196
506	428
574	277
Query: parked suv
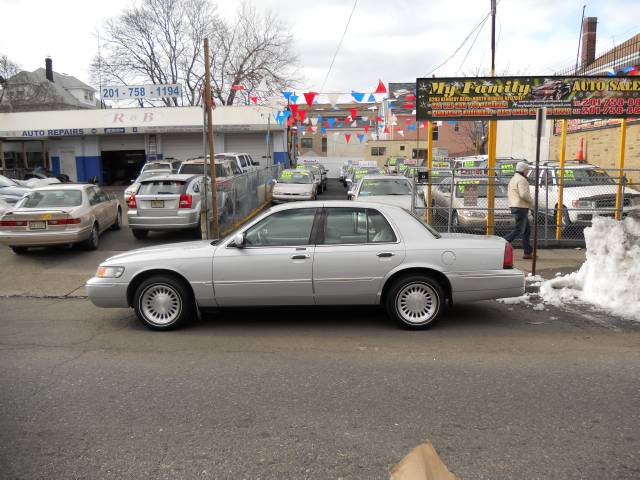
243	160
588	192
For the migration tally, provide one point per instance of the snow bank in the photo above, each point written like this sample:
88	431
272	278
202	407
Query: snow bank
610	276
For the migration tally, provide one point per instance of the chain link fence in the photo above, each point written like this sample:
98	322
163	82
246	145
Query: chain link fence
457	200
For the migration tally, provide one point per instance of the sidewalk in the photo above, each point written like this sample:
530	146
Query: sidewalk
551	261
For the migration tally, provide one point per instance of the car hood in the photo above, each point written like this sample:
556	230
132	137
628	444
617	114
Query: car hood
403	201
172	250
293	188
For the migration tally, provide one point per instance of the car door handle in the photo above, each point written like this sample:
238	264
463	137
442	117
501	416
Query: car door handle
301	256
385	254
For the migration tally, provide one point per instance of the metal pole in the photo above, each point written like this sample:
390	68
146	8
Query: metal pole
451	194
429	169
580	38
563	154
204	215
539	121
493	127
623	139
413	195
493	37
215	230
2	160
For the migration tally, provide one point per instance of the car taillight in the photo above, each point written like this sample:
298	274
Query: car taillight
13	223
64	221
131	201
185	201
508	256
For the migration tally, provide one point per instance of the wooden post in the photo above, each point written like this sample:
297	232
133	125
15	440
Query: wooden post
429	169
491	192
215	227
623	139
560	175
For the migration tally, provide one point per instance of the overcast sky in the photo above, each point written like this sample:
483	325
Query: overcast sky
395	40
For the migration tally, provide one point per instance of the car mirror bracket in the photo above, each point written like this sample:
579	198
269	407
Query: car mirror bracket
239	240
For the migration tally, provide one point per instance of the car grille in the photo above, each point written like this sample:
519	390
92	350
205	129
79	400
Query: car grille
610	202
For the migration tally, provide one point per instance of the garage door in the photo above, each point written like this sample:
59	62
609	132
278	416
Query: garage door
181	146
121	142
252	143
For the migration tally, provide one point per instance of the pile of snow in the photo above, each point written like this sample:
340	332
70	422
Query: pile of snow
610	277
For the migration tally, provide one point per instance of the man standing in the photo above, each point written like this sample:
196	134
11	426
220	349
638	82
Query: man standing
520	202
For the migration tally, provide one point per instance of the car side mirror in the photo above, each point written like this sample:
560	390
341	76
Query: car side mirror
349	181
351	194
238	240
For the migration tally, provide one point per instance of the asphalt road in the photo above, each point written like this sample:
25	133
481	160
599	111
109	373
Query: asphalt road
503	392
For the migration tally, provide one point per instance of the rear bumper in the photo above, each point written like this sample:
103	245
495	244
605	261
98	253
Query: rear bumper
290	198
44	238
107	294
486	285
187	220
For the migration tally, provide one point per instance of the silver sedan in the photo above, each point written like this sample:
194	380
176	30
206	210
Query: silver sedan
312	253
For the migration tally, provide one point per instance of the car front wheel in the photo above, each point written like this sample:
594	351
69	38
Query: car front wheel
140	234
415	302
162	302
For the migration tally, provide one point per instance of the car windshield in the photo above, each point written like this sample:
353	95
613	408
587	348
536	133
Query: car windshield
295	176
585	176
51	198
7	182
475	187
392	186
161	187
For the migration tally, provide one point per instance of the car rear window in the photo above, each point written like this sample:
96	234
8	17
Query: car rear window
162	187
51	198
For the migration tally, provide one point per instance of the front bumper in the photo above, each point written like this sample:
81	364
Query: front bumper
44	238
106	293
182	221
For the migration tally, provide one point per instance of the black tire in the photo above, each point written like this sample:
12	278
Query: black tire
166	316
19	250
455	224
417	285
118	221
140	234
566	221
93	242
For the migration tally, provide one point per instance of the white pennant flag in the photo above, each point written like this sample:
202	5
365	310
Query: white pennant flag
401	133
335	134
374	136
354	124
333	98
314	121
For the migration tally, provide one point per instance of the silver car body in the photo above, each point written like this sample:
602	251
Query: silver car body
44	226
403	201
304	272
133	188
292	192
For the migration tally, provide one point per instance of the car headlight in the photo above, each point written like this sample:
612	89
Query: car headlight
583	204
109	272
473	213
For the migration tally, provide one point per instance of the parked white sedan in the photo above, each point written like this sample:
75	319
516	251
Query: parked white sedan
387	189
312	253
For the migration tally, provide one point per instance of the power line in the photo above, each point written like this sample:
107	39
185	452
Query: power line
339	45
472	44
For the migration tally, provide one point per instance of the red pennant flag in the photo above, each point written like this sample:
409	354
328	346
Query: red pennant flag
254	99
347	137
408	120
386	130
381	88
354	113
309	129
409	105
425	124
302	114
294	109
409	98
309	96
366	128
327	125
378	119
237	87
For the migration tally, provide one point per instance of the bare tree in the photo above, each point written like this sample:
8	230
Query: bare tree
161	41
7	70
475	135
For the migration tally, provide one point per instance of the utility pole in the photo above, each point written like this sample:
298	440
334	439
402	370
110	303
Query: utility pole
493	130
215	228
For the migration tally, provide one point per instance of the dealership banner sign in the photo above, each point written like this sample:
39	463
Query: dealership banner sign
517	98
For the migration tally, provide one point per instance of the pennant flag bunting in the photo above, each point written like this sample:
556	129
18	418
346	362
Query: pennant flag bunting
331	121
323	130
309	97
357	96
286	113
293	98
294	108
286	95
401	133
371	98
254	99
347	137
354	124
366	128
361	137
410	98
280	118
378	119
409	105
380	88
314	121
302	114
354	112
237	87
386	129
333	98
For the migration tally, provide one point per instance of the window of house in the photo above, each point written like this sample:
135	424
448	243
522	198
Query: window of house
456	127
324	144
434	134
86	96
419	153
401	147
306	143
378	151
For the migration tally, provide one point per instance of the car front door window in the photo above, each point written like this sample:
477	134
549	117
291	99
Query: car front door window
284	228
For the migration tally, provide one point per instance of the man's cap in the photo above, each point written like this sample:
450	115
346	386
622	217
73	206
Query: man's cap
522	166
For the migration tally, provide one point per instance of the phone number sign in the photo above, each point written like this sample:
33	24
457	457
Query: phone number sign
135	92
518	98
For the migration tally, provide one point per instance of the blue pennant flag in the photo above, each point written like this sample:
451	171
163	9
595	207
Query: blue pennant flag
361	137
323	129
331	121
390	104
411	127
358	96
286	95
280	118
286	113
319	118
293	98
371	98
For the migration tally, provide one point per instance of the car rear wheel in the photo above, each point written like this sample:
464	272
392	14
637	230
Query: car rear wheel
19	250
140	234
415	302
93	241
118	221
163	302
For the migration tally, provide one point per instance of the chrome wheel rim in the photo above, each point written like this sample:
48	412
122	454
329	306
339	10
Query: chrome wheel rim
417	303
160	304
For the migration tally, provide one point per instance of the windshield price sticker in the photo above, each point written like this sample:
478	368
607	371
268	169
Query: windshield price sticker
507	167
287	174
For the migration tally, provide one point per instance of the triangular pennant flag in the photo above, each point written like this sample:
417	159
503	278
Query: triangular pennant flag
323	130
331	121
354	124
309	129
326	124
410	98
401	133
280	118
409	105
286	113
286	95
390	104
378	119
302	115
366	128
254	99
361	137
314	121
333	98
313	129
294	109
374	136
386	130
354	112
381	88
408	120
237	87
358	96
309	96
347	137
411	127
371	98
320	118
293	98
